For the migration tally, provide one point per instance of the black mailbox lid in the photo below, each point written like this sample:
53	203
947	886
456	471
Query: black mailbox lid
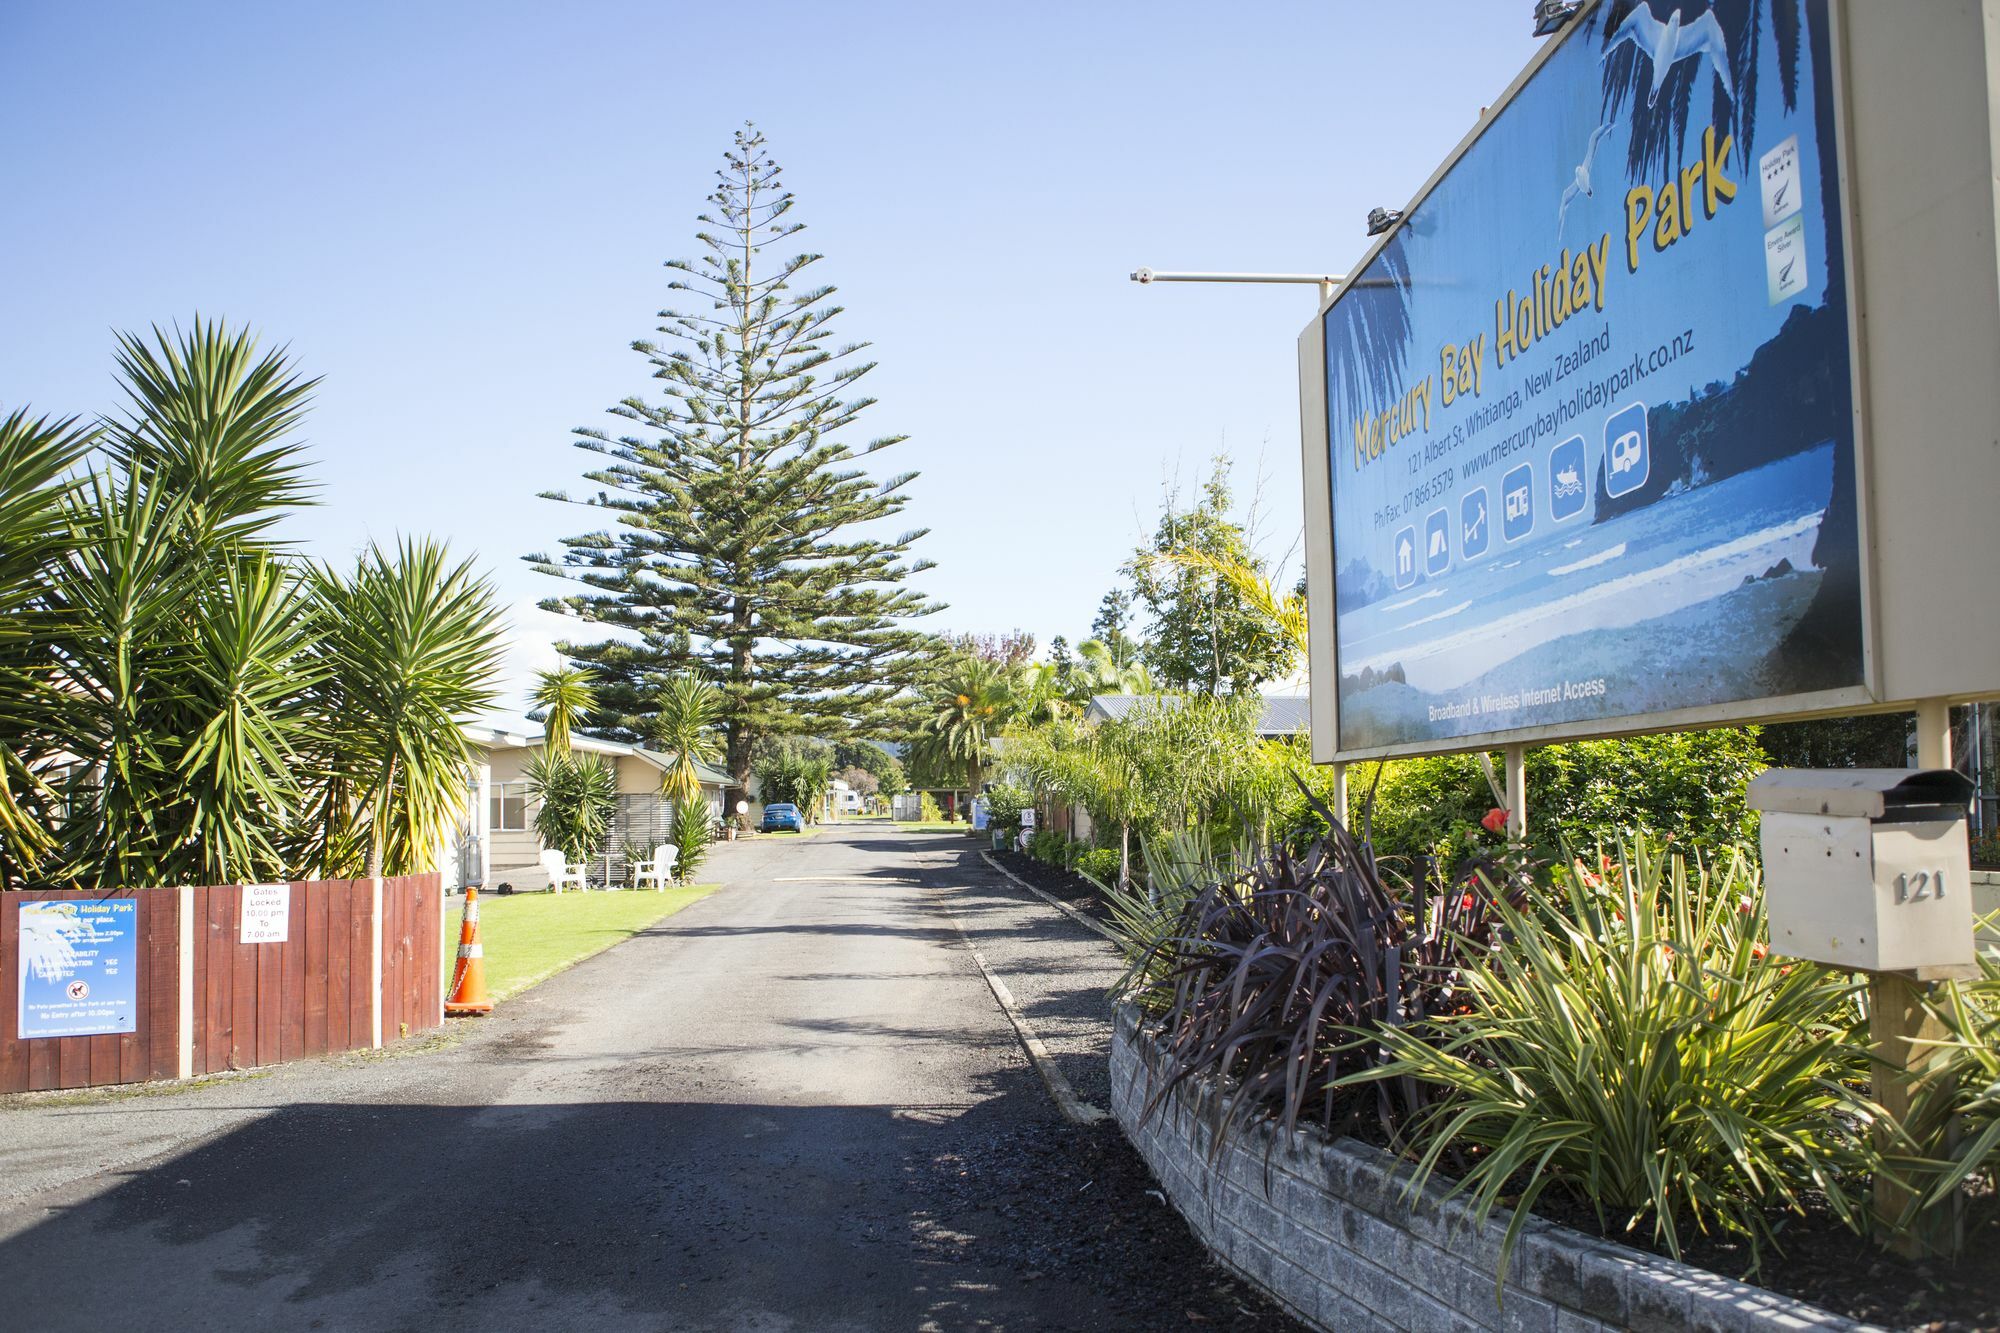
1883	795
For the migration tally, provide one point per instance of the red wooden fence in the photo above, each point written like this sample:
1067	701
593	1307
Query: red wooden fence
251	1004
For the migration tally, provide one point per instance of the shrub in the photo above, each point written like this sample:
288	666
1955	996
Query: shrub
927	809
1628	1043
1689	785
1265	971
1099	865
1049	847
1004	804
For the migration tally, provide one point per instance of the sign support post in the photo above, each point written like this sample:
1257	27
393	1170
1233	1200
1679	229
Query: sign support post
1900	1032
1517	793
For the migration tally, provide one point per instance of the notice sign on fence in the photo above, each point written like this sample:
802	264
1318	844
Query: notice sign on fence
79	967
267	914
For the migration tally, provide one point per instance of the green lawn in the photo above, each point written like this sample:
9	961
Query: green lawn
529	937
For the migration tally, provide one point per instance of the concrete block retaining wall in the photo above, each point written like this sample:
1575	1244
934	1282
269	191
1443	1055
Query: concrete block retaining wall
1324	1228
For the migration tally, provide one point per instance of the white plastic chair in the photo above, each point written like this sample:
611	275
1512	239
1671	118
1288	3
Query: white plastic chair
660	869
559	870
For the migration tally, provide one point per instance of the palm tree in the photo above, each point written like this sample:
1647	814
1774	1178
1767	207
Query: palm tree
969	708
410	644
177	630
684	729
1100	672
36	460
181	700
564	696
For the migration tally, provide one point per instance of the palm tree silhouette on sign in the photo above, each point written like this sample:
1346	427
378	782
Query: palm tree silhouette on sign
1368	333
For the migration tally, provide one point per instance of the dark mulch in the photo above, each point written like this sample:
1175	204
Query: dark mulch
1825	1263
1051	1200
1057	882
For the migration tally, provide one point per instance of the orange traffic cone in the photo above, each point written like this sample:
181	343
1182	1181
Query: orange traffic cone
468	982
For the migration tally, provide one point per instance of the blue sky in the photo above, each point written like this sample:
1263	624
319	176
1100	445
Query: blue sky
457	213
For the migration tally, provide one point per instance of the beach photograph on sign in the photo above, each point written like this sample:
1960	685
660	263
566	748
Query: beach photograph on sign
79	971
1590	407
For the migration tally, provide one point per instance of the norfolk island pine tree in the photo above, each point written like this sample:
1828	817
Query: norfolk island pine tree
733	551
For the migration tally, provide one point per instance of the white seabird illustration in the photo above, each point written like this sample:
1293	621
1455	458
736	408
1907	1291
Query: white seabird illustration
1669	43
1581	185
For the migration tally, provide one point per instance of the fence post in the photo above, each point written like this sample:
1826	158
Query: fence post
375	965
444	969
184	957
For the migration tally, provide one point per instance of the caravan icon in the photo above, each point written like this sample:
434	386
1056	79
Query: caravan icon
1627	460
1517	503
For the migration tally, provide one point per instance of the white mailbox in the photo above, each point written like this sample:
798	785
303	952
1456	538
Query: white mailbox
1868	868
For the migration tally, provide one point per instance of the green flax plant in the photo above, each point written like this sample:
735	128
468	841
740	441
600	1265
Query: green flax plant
1955	1115
1179	867
1626	1041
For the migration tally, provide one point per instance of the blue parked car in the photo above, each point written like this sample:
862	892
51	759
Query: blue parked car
782	815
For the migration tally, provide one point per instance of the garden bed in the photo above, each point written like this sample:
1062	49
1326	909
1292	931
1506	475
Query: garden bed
1323	1226
1071	888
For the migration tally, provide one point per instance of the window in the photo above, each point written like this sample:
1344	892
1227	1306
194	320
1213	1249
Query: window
507	810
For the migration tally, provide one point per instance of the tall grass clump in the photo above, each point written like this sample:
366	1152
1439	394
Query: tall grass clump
1626	1041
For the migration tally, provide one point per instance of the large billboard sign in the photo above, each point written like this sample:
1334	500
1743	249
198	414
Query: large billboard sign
1589	410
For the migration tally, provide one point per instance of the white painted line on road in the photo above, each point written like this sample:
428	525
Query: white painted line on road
1056	903
1074	1109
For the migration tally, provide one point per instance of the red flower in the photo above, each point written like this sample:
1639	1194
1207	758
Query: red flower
1465	903
1759	949
1592	881
1495	821
1603	861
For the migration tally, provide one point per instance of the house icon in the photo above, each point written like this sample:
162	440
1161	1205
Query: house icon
1406	557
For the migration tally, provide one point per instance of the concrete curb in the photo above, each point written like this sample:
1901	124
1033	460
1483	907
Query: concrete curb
1331	1230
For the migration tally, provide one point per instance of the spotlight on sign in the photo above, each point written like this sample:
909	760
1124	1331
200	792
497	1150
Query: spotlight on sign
1381	219
1551	16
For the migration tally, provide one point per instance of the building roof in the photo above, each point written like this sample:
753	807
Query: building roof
1283	715
498	738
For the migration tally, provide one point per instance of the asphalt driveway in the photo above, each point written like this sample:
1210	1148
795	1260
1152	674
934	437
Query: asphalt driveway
795	1104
